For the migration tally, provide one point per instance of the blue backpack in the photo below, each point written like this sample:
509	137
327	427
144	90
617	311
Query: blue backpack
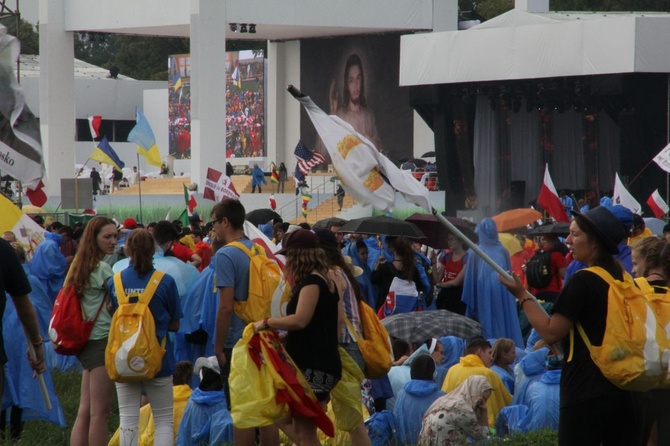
381	428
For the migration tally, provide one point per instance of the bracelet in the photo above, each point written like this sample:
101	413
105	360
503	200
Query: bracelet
38	343
521	301
265	323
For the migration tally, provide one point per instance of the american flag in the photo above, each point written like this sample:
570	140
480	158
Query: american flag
306	158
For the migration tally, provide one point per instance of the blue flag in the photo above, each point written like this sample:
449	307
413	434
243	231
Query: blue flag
106	155
143	136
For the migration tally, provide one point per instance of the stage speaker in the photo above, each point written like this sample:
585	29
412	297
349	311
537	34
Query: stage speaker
517	194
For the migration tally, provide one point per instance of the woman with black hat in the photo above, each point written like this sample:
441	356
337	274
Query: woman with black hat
593	411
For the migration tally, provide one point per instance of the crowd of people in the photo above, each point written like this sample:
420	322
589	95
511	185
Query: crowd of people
438	391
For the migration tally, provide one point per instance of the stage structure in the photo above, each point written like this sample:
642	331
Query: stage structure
585	92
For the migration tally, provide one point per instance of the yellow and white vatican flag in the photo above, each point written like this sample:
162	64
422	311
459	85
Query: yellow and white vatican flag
367	175
28	233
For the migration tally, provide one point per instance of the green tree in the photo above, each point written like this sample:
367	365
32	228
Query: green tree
142	57
27	34
487	9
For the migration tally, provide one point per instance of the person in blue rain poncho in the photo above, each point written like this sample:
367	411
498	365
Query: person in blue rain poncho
359	253
210	305
257	179
454	348
504	356
530	369
414	399
49	264
198	325
539	406
487	300
206	410
22	394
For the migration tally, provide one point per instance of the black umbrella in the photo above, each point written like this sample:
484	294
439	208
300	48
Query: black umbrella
261	216
382	225
328	222
436	233
428	155
558	228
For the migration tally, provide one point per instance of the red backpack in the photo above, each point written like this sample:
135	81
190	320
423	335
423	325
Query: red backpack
67	328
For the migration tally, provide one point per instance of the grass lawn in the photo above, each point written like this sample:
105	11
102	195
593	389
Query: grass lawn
42	433
67	388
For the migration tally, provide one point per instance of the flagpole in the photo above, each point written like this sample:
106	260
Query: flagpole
639	173
139	185
40	378
454	230
82	167
667	137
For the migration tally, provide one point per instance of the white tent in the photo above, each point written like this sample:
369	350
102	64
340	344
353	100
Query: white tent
525	45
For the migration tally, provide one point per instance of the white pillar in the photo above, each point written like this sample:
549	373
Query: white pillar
283	112
208	88
276	99
57	106
445	15
290	107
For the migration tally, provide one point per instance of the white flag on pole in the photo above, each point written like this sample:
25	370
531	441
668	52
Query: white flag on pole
367	175
624	198
663	158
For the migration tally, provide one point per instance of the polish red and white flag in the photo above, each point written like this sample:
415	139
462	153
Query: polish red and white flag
549	200
94	124
658	206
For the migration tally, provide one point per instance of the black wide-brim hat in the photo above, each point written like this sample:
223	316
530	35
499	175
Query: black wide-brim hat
606	226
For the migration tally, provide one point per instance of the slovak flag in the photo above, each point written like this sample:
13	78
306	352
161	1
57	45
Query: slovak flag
658	206
94	125
549	200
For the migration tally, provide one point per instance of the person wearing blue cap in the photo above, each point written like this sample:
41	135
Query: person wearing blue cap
625	217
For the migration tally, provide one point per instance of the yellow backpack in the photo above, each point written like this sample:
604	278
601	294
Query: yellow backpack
375	347
635	348
133	352
660	304
268	292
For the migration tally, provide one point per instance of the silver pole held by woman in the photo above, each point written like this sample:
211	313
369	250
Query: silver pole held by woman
454	230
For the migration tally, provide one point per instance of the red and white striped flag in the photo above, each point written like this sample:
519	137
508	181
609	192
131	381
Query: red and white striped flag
94	125
549	200
658	206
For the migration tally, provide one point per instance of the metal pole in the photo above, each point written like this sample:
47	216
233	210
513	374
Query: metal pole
139	185
454	230
667	137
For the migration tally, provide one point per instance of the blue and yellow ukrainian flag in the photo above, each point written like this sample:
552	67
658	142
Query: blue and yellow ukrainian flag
176	81
106	155
143	136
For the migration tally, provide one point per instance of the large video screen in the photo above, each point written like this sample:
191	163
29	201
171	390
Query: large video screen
357	79
245	105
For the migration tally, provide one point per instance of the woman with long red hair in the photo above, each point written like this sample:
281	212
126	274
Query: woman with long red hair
89	275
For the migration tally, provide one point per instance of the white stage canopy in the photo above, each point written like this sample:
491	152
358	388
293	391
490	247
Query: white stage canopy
523	45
